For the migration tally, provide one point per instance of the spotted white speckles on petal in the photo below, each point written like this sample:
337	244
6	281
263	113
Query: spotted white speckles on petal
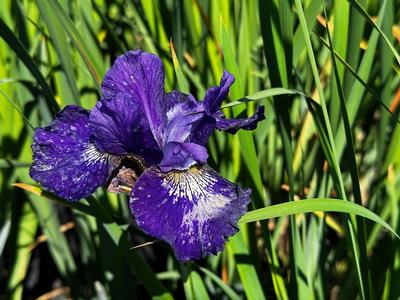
195	211
64	159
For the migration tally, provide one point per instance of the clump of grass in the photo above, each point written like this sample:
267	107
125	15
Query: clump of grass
323	166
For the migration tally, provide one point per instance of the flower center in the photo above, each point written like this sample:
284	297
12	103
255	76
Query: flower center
124	175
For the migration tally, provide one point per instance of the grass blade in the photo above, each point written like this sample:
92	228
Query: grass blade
122	244
357	5
69	27
361	235
61	46
226	288
313	205
19	49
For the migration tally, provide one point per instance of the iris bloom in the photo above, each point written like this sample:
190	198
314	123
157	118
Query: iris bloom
141	140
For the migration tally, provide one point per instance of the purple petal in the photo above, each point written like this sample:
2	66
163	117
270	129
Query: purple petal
233	125
180	118
181	156
186	120
202	130
215	95
140	77
175	97
65	161
195	211
120	127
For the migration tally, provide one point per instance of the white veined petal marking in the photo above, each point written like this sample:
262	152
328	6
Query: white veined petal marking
197	186
90	156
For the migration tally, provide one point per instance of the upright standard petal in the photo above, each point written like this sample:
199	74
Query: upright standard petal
215	95
195	211
181	116
65	160
140	77
186	120
120	128
186	132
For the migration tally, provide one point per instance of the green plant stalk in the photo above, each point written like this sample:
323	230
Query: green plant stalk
361	231
279	62
336	169
27	227
247	149
78	41
313	205
19	49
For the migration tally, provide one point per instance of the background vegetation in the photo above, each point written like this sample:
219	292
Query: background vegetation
331	131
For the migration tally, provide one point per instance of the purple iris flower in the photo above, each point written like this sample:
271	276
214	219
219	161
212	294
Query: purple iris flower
141	140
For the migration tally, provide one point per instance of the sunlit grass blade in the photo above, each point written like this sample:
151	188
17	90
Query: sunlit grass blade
181	79
341	12
16	46
198	287
4	231
356	92
77	39
355	35
61	45
264	94
25	235
376	26
361	233
246	270
277	33
337	175
320	91
225	287
310	13
312	205
375	95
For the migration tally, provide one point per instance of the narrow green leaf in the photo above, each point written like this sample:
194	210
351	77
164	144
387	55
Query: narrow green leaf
225	287
266	94
363	272
248	275
4	231
57	243
365	14
61	45
363	83
79	42
182	82
313	205
25	235
19	49
247	272
199	290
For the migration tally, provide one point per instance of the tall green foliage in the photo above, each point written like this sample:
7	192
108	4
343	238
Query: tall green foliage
323	166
